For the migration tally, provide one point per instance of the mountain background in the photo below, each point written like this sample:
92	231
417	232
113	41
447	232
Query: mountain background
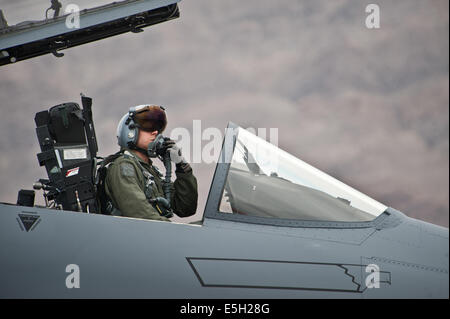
367	106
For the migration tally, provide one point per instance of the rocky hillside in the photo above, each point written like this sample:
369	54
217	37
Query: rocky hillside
369	107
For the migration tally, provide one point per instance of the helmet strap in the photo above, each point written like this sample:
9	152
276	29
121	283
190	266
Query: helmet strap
140	150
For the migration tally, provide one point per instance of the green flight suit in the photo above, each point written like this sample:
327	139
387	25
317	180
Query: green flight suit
125	186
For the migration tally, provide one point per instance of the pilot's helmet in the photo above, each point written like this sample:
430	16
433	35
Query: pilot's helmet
146	117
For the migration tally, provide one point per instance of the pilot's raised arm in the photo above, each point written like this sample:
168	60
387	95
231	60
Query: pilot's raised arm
184	189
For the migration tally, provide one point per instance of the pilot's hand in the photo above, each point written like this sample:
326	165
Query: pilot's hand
174	151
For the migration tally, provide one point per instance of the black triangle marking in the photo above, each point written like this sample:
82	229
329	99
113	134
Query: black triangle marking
28	220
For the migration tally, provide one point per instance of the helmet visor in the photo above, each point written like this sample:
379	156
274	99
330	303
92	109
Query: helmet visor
150	118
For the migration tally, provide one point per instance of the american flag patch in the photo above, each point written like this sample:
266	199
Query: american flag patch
72	172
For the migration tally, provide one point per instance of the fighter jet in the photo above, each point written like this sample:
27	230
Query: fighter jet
273	225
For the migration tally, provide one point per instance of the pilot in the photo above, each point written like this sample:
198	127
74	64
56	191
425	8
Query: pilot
133	184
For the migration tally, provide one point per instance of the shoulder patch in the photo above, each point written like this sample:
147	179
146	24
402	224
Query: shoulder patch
127	169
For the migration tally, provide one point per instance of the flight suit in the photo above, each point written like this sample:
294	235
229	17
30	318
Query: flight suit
125	186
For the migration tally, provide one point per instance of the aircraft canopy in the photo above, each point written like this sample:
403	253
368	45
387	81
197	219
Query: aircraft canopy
265	181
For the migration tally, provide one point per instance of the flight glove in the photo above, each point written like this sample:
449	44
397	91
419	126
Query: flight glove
176	156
